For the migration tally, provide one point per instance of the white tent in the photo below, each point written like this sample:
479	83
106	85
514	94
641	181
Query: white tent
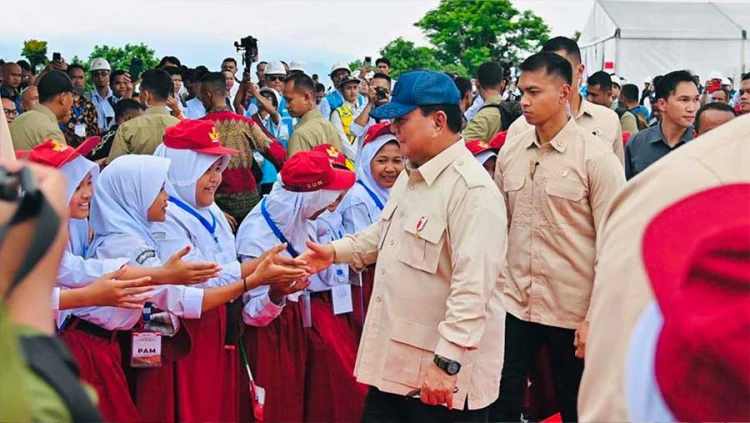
639	39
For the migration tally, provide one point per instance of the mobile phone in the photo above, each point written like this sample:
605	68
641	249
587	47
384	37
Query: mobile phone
368	61
56	57
136	67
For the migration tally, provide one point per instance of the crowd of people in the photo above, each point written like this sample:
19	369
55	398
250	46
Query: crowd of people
428	248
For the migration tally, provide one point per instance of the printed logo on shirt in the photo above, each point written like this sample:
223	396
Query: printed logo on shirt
142	257
159	236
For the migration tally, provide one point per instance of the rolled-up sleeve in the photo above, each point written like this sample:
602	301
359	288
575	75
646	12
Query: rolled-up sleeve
478	240
259	310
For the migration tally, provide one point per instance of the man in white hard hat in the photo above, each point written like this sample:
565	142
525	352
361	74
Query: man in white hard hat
335	99
100	71
296	66
616	87
712	84
274	76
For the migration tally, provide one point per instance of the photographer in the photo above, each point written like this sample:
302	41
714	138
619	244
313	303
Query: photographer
379	94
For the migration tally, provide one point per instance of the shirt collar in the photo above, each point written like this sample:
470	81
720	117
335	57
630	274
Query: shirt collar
658	135
95	93
41	108
156	110
312	114
436	165
560	141
586	107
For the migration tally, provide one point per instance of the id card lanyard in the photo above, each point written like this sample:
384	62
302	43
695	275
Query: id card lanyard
210	227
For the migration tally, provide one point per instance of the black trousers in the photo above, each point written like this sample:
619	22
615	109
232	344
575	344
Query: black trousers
522	342
382	407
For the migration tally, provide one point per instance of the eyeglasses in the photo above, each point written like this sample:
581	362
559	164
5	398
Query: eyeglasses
99	74
276	78
10	112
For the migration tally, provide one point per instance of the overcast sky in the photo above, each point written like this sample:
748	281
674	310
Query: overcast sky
203	31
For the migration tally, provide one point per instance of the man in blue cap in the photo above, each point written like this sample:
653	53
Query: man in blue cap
432	346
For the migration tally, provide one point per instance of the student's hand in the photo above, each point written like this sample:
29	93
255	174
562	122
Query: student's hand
275	253
318	256
183	272
438	387
582	334
108	291
272	273
232	222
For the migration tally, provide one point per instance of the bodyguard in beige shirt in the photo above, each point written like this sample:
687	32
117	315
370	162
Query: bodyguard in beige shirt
434	328
595	119
143	134
557	180
40	124
312	129
622	289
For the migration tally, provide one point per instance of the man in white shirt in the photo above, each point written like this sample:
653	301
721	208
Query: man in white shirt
343	116
335	99
380	94
230	65
100	95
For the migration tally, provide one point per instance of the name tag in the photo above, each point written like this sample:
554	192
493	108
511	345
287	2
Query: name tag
146	351
342	299
80	130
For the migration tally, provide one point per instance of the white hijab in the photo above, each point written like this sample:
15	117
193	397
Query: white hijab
364	171
75	171
123	194
290	212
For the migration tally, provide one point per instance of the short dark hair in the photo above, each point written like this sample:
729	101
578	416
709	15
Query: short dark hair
668	84
115	74
215	83
490	75
463	85
26	66
720	107
602	79
380	75
568	45
315	76
746	76
229	59
630	92
172	70
726	92
452	111
71	67
551	63
158	83
302	82
124	106
169	59
260	63
383	60
319	87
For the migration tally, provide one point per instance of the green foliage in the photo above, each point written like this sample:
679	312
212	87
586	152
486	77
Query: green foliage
468	33
577	35
119	57
35	52
405	56
357	64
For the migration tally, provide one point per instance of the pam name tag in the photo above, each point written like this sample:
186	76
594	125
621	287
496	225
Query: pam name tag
146	351
342	299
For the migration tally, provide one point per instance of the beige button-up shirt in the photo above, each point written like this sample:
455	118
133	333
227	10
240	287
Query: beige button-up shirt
313	129
6	144
594	118
623	290
556	196
439	245
143	134
35	127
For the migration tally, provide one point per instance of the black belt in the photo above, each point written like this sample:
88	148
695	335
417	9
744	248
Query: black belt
91	329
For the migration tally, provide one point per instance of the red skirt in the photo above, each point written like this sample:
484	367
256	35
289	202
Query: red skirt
277	355
101	367
332	393
361	298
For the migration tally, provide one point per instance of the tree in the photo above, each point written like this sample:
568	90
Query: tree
35	52
120	57
577	35
468	33
405	56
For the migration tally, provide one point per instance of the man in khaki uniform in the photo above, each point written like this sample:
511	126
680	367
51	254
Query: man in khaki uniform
42	122
595	119
622	289
434	328
313	129
488	121
557	180
599	90
143	134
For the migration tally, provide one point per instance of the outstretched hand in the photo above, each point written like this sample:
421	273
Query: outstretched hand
183	272
318	256
108	290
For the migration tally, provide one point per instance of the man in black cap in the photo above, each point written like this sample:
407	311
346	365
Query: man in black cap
42	122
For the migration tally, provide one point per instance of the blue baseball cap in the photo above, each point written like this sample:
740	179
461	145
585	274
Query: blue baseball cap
420	88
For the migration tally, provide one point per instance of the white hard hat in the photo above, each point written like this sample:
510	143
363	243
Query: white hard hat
647	80
296	65
273	93
616	81
338	66
99	64
726	81
715	75
275	68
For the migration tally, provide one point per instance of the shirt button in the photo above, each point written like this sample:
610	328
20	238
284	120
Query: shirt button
391	242
382	271
378	299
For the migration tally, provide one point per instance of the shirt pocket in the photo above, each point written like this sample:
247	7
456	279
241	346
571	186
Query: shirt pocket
421	242
518	204
387	217
567	203
411	347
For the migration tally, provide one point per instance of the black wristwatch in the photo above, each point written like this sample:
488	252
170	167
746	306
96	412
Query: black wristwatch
448	366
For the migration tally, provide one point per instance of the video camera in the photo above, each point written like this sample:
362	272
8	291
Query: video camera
248	46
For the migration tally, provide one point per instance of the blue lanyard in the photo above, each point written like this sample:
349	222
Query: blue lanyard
210	227
276	230
77	112
372	195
